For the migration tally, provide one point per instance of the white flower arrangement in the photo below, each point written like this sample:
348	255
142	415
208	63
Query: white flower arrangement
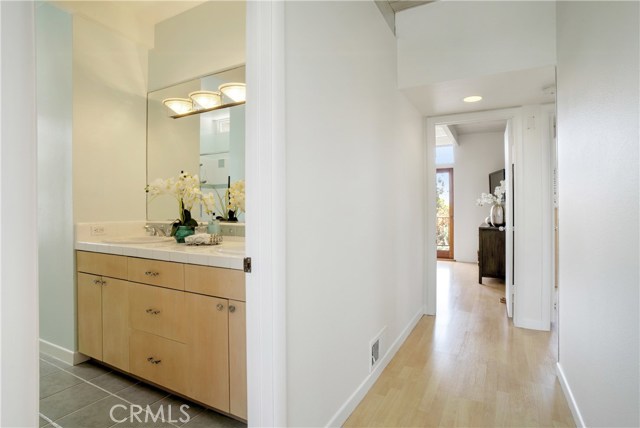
493	199
185	189
233	201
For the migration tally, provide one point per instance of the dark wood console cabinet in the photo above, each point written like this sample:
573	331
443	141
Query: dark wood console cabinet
491	252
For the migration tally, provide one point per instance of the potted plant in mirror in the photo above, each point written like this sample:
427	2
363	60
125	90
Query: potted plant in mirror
230	206
186	190
495	199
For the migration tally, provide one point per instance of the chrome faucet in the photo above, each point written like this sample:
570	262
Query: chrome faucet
151	230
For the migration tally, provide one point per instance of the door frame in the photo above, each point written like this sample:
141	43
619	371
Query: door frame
512	114
266	225
449	170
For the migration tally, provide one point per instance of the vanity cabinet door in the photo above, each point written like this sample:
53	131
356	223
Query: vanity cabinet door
237	359
90	315
115	323
208	339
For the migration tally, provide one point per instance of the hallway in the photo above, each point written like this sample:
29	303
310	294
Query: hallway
468	366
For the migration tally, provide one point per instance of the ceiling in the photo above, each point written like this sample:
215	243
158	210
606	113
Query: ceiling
511	89
398	5
134	20
480	127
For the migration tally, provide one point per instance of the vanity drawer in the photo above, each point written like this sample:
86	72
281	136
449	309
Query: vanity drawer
157	310
159	360
102	264
155	272
212	281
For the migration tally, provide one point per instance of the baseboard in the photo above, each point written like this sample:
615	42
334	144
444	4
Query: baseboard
352	402
65	355
571	401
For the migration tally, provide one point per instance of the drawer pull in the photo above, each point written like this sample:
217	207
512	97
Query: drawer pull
152	311
220	306
97	282
152	273
232	308
153	360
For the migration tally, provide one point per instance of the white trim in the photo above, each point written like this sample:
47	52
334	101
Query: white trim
265	227
568	394
19	380
63	354
514	114
352	402
509	162
531	324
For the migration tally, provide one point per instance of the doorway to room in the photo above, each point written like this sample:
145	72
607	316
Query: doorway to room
477	145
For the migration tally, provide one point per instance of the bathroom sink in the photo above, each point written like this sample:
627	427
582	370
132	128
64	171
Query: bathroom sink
231	249
138	240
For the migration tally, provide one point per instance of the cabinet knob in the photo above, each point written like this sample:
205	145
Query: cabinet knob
103	282
220	306
232	308
97	282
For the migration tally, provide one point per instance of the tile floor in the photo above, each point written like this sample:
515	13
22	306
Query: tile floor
82	396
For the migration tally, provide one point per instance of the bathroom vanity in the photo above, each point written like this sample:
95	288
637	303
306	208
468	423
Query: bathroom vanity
168	314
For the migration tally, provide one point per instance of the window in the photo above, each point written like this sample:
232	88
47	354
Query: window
444	155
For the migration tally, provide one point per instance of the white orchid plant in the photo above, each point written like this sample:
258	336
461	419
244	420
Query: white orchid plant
230	206
185	189
495	198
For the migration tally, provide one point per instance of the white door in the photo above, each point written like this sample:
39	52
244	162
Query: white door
509	160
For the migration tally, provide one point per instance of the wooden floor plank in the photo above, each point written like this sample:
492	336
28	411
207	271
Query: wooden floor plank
468	366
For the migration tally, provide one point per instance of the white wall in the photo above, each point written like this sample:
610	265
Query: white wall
476	156
109	125
18	252
598	60
55	201
208	38
355	207
451	40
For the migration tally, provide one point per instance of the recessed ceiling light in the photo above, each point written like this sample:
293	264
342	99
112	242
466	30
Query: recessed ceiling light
472	99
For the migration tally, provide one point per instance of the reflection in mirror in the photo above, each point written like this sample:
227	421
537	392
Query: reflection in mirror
210	144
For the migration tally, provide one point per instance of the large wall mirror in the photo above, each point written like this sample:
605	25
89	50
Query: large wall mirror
209	144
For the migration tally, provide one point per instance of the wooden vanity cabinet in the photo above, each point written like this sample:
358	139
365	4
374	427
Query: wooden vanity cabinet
177	325
238	358
209	350
103	301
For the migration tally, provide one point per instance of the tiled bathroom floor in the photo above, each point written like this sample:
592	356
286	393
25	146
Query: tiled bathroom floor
82	396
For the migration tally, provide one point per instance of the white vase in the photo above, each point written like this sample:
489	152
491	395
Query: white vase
497	215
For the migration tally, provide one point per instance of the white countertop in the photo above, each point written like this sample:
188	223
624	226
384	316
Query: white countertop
171	251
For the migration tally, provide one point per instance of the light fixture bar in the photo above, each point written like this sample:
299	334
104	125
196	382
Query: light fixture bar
205	110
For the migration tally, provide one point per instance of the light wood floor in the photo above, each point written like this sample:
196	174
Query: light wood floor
468	366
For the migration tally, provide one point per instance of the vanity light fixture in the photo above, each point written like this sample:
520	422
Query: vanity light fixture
205	99
472	99
235	91
178	105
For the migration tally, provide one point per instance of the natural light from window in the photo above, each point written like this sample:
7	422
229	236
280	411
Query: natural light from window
444	155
